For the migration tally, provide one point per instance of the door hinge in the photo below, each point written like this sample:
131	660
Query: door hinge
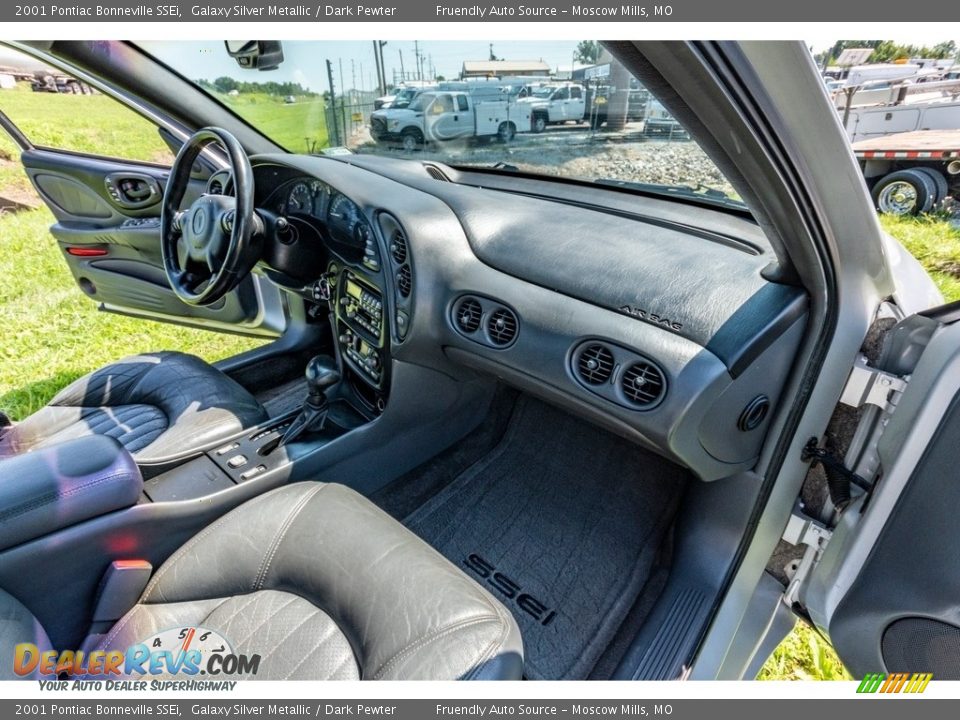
869	386
813	453
802	530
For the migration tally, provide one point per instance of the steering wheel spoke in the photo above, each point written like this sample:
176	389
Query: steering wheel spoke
209	248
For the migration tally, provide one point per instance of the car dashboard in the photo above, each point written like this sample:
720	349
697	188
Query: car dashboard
655	320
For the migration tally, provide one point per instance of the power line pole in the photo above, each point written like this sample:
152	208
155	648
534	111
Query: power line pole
403	74
383	65
333	104
416	54
376	60
343	99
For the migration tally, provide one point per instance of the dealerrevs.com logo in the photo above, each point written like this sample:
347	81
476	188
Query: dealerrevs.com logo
188	651
911	683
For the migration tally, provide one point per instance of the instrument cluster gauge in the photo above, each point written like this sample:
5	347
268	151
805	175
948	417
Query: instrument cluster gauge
321	196
300	200
343	213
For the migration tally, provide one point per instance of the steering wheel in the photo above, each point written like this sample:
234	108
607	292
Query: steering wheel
209	248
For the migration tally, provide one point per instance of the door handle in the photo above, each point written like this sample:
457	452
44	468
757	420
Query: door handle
132	190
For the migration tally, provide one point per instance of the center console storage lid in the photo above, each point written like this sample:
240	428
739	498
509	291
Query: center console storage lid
60	485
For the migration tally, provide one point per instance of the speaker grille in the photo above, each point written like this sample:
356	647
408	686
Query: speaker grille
916	644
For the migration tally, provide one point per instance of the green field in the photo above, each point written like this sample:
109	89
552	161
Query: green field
54	334
84	123
299	127
99	124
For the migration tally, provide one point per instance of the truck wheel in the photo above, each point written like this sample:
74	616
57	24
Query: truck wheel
506	132
411	140
939	181
539	123
904	192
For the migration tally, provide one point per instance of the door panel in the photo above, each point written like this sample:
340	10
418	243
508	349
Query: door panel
108	229
887	588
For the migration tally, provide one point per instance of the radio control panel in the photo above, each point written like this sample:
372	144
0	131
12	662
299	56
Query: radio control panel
360	329
361	306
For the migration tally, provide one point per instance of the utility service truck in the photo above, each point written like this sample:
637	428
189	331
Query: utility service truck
554	103
442	116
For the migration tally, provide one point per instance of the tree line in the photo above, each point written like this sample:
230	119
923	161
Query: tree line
885	51
282	89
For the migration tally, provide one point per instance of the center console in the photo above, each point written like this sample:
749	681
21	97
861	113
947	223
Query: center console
362	334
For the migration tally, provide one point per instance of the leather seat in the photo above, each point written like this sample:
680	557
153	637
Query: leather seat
323	585
157	405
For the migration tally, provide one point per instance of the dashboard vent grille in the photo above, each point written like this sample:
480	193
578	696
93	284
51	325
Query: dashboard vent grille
595	364
436	173
404	281
502	327
398	247
468	315
643	384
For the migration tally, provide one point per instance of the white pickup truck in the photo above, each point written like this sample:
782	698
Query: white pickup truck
553	103
439	116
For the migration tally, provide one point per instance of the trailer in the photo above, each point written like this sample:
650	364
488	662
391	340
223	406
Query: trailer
911	172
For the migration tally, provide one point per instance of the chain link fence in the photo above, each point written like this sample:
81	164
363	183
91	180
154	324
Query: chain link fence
347	119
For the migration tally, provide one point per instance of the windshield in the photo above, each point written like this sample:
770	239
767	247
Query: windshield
600	127
404	97
420	104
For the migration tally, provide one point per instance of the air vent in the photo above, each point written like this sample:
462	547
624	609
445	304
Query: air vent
643	384
595	364
468	315
502	327
398	247
404	281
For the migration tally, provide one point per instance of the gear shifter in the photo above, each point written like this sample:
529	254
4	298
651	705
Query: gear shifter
321	374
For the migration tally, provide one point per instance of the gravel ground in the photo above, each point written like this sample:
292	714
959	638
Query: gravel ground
575	151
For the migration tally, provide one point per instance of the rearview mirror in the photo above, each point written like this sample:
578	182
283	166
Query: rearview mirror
256	54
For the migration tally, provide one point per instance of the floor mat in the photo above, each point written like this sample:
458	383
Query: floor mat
561	521
284	398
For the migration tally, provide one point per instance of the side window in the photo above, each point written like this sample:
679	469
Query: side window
575	93
445	102
461	102
562	94
55	110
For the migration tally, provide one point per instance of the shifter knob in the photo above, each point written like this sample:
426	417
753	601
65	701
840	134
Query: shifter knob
321	373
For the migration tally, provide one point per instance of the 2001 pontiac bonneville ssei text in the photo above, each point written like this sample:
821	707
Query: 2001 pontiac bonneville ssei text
558	378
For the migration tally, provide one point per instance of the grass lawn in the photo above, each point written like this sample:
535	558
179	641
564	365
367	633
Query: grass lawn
97	123
53	333
300	127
